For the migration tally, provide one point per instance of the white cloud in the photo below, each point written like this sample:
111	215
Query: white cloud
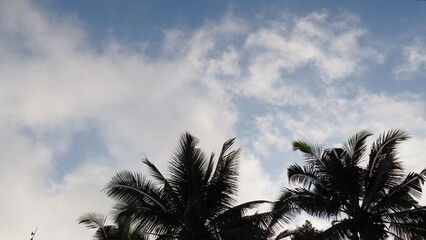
414	60
270	134
326	47
253	179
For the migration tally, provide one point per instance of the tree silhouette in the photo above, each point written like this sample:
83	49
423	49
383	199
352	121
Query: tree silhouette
195	202
368	203
122	230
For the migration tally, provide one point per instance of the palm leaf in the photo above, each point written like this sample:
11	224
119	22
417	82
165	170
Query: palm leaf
283	234
408	224
222	188
355	147
187	168
209	170
93	220
238	211
306	176
174	199
129	187
384	169
339	230
256	226
311	152
96	221
403	196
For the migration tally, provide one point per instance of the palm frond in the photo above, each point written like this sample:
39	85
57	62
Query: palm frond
318	204
413	216
222	188
384	146
355	147
384	169
96	221
174	200
209	170
151	221
238	211
306	176
408	224
283	234
129	187
108	232
93	220
386	143
225	153
187	168
256	226
405	195
311	152
154	172
339	230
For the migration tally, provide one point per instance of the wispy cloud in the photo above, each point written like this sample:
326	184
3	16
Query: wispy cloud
414	60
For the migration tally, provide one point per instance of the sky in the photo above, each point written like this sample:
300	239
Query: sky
89	88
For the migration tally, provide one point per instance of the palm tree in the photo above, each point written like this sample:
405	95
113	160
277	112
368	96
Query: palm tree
122	230
195	202
372	202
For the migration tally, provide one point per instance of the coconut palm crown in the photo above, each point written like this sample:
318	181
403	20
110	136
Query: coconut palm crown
368	203
121	230
195	202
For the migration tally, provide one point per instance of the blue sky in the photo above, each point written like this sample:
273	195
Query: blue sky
88	88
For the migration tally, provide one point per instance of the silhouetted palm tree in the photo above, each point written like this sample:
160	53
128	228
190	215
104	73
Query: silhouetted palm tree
122	230
368	203
195	202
